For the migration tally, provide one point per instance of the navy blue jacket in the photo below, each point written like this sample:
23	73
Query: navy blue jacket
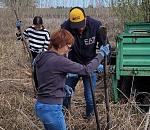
84	48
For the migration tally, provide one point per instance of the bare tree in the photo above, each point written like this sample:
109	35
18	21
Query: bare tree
10	3
132	10
146	10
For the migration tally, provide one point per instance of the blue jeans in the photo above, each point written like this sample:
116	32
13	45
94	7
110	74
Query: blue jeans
51	116
72	81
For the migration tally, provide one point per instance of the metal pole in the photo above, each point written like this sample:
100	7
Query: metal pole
94	103
104	37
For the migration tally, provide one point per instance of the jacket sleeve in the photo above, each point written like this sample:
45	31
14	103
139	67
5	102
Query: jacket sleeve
47	40
26	35
68	66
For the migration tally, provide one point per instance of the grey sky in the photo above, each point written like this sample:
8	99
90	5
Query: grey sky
69	3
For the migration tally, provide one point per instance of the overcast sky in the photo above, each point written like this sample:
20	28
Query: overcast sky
70	3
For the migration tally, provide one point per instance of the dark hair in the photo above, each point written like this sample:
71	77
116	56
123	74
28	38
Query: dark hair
37	20
79	9
60	39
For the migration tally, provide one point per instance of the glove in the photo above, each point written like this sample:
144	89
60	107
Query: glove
100	68
18	24
19	37
104	50
69	75
33	62
69	90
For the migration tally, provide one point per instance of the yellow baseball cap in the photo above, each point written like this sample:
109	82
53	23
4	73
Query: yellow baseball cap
77	18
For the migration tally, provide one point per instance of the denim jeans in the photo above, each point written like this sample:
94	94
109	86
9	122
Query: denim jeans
51	116
72	81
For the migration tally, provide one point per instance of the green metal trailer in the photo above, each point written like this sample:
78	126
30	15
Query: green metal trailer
141	27
132	53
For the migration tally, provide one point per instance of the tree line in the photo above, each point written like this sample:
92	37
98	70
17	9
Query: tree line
126	10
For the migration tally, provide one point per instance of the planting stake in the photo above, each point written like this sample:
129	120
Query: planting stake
104	38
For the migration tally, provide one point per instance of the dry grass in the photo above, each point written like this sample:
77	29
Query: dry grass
17	95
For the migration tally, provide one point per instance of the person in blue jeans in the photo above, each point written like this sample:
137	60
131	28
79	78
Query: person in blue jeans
52	68
87	33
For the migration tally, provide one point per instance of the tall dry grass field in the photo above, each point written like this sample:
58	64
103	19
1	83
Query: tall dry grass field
16	91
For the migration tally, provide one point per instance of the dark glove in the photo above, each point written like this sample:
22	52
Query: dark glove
104	50
69	90
19	37
69	75
100	68
18	24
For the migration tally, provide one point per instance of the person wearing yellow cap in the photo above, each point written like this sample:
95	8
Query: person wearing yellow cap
87	34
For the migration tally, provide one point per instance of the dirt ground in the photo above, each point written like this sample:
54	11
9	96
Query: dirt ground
17	96
17	107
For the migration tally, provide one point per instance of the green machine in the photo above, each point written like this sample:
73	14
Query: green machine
132	53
